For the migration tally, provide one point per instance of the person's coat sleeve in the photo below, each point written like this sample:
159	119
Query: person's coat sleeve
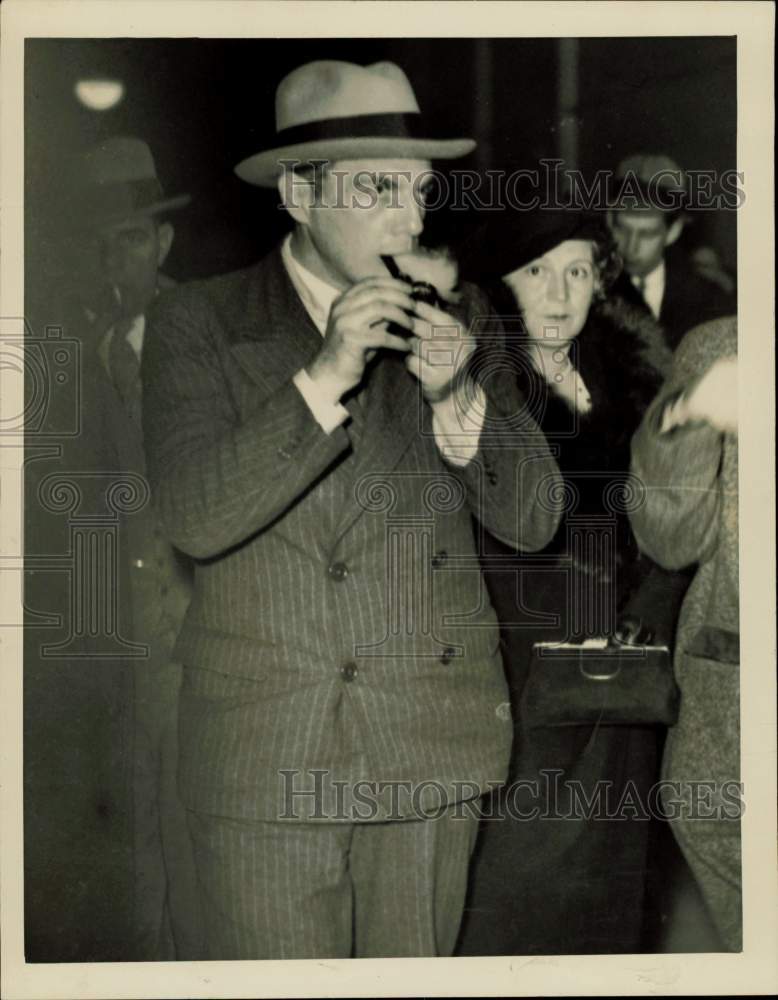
513	483
220	477
677	521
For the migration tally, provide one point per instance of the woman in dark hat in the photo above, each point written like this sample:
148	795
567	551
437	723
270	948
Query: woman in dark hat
540	883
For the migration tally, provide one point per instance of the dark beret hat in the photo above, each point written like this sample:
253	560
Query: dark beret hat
511	239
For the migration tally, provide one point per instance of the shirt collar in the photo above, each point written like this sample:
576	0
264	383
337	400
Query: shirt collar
653	288
133	334
316	295
653	278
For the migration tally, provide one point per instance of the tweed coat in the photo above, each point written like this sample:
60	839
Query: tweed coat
691	515
339	627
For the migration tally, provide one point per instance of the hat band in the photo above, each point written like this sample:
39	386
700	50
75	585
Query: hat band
393	125
126	197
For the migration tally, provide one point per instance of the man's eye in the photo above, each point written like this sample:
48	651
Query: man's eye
579	271
534	270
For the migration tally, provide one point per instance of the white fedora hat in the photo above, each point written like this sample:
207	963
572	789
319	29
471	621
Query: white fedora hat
330	110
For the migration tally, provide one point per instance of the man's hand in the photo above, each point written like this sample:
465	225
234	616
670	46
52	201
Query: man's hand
714	398
439	350
357	328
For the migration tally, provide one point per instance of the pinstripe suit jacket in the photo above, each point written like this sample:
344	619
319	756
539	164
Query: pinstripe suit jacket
339	621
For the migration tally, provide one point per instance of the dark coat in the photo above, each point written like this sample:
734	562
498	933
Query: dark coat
593	450
593	453
689	299
575	885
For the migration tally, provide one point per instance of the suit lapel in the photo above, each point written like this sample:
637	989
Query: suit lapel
392	410
274	337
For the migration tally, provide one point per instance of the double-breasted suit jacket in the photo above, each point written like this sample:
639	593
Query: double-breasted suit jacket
340	628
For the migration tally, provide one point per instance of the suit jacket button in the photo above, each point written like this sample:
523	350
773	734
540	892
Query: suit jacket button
338	572
349	671
448	656
439	559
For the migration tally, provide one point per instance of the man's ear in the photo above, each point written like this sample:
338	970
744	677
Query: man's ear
165	234
296	195
674	232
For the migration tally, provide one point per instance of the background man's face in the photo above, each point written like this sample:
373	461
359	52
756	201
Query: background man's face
642	236
132	252
366	208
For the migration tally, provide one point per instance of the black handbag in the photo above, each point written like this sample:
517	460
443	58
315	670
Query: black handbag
617	680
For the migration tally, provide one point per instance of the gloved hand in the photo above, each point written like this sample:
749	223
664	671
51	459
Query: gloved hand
630	631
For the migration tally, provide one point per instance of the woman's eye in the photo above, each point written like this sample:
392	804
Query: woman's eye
579	271
534	270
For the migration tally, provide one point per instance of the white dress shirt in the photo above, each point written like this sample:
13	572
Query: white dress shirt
458	442
652	288
134	337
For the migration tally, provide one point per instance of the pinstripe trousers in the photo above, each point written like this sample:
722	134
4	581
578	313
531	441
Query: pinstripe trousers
278	890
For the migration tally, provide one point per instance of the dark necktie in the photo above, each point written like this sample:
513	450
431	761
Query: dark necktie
125	371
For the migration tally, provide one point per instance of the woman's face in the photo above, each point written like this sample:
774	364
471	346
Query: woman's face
555	291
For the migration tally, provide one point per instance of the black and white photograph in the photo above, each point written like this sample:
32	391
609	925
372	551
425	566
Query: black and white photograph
379	554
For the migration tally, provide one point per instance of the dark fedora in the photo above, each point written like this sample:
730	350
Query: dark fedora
120	181
649	181
513	238
331	110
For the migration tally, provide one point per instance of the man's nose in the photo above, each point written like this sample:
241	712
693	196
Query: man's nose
412	217
113	257
633	245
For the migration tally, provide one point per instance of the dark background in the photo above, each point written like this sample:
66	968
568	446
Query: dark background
202	105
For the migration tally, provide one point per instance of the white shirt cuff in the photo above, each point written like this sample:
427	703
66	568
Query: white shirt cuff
327	412
458	428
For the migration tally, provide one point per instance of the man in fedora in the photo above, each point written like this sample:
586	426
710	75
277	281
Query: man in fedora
126	210
343	698
680	289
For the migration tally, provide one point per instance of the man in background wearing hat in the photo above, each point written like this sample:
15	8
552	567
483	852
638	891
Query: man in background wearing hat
343	695
126	210
679	289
